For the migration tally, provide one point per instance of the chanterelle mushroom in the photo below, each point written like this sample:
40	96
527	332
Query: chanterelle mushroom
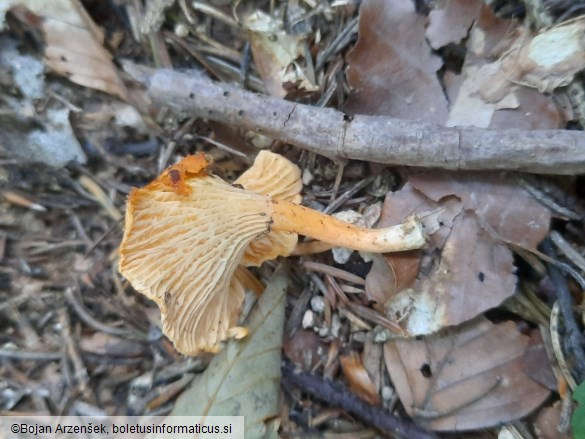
187	232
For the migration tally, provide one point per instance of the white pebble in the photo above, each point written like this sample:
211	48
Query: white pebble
307	177
181	30
318	304
341	254
308	319
387	393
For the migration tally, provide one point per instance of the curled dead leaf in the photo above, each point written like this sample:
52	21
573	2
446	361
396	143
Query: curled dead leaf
466	378
496	199
277	55
473	274
390	274
467	270
357	377
549	59
74	45
486	94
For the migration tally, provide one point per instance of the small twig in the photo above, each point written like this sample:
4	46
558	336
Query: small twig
163	394
22	355
557	345
186	12
79	228
166	153
338	395
225	148
101	197
207	9
30	355
30	336
112	360
87	318
81	377
339	201
17	300
342	39
177	370
375	317
566	411
374	138
576	341
245	64
567	249
328	294
296	315
548	201
94	245
338	177
335	272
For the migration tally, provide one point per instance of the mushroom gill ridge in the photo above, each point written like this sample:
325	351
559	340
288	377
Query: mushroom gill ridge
181	251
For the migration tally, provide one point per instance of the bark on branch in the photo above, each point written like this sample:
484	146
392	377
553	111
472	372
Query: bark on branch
374	138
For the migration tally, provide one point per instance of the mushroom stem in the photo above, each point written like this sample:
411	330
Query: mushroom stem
294	218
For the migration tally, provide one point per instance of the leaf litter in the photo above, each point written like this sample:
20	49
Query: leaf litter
391	71
278	55
467	270
467	378
483	95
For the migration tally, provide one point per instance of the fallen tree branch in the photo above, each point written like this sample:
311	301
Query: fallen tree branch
373	138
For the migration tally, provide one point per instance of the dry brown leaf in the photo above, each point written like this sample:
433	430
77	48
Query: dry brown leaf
451	23
391	273
536	364
373	360
497	200
473	274
74	49
358	379
535	111
467	269
392	70
74	45
277	54
548	60
463	379
483	95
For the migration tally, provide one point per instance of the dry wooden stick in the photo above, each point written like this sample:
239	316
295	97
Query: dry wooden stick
338	396
374	138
